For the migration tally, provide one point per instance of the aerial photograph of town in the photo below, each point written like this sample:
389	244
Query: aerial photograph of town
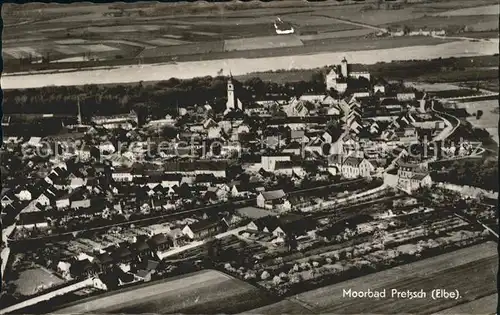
248	157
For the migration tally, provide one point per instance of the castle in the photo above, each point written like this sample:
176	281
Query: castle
337	77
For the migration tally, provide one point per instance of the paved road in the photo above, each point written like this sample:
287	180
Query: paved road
453	121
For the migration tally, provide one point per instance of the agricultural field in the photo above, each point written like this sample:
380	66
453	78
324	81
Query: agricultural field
471	270
483	10
206	291
127	30
475	23
489	119
433	87
262	43
479	306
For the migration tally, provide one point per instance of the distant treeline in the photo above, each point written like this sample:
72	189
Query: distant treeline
155	100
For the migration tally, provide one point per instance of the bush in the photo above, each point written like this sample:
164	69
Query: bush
265	275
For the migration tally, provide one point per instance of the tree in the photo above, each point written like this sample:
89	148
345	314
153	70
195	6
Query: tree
291	241
406	29
479	114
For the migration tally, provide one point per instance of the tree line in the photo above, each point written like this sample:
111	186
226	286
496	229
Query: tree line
155	100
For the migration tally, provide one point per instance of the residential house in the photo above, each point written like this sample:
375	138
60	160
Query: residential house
146	269
268	162
63	201
141	250
413	176
239	189
379	88
121	174
24	194
7	197
159	242
80	202
294	148
104	262
124	121
283	225
298	108
81	269
289	168
353	167
271	199
405	97
31	220
202	229
45	198
215	194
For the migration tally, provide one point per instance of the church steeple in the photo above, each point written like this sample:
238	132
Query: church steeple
79	117
232	100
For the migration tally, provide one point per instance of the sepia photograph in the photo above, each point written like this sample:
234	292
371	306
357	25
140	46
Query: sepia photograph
250	157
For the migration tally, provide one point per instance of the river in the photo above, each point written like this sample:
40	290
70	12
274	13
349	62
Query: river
241	66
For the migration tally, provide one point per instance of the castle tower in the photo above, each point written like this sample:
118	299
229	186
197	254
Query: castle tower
343	68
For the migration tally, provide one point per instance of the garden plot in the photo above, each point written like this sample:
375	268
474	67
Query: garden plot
264	42
167	42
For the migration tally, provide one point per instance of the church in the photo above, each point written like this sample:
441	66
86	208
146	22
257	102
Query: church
233	103
337	77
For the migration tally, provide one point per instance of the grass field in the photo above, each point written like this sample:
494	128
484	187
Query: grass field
489	119
471	270
201	292
483	10
32	280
